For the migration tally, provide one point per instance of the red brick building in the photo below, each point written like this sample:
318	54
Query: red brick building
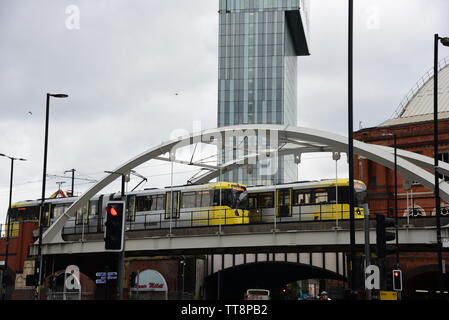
414	131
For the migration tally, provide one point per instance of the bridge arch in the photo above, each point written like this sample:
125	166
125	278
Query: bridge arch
309	139
232	282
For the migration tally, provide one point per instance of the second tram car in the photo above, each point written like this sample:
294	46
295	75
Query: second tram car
303	201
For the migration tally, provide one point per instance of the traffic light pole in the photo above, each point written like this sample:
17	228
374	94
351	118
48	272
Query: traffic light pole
367	245
121	254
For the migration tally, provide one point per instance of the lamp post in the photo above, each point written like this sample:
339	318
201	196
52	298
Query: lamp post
73	180
38	270
352	253
8	221
395	191
336	156
444	42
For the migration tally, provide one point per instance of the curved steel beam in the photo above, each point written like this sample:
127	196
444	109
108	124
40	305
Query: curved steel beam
231	165
424	162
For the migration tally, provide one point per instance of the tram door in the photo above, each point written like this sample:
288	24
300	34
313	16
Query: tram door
172	203
284	202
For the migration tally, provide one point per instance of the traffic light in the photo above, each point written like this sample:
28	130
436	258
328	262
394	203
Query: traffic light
382	236
397	280
114	225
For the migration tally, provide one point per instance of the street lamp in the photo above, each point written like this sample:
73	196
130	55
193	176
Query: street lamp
8	223
395	191
351	146
444	42
42	205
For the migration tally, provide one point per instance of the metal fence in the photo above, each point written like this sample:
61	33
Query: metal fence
215	218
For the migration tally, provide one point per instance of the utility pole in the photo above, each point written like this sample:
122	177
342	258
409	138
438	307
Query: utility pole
73	180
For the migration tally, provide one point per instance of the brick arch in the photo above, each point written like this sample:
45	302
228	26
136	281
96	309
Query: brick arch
411	280
271	274
415	272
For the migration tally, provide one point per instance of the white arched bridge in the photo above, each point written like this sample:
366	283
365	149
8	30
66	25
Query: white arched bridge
284	140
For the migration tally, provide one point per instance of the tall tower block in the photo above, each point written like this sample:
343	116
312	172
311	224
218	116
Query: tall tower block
259	42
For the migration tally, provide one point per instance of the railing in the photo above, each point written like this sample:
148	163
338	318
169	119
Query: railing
215	218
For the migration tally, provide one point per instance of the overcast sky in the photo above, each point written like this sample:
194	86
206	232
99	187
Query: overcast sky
140	72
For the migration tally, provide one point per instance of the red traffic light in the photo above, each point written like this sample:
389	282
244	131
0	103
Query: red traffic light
114	225
397	280
112	211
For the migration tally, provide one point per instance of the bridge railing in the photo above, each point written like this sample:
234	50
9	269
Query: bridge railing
213	218
208	218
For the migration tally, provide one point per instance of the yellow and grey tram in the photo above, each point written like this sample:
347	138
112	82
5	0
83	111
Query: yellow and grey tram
303	201
179	206
220	203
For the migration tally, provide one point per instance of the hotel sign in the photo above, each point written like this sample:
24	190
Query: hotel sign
149	280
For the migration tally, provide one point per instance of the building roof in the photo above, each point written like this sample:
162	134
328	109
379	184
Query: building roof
417	106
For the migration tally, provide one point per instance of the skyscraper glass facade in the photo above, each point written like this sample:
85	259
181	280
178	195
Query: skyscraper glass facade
258	49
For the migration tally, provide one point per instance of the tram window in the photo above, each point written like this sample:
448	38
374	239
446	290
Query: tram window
159	202
223	196
131	206
47	213
252	202
24	213
93	207
205	198
321	197
32	213
302	198
265	200
12	214
216	198
58	210
296	199
145	203
284	197
342	194
189	199
81	214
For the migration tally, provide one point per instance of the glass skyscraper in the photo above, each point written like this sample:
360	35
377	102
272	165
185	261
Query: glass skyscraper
259	41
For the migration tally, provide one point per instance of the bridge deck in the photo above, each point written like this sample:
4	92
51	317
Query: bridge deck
289	237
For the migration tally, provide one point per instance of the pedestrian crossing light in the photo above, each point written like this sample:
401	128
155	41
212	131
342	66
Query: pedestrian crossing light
114	225
397	280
